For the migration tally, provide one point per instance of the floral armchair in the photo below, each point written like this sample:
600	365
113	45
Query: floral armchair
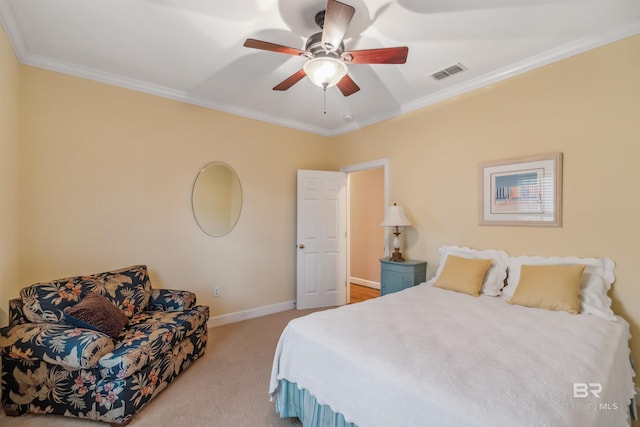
55	363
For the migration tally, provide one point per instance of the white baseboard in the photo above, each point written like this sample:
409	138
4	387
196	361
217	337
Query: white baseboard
239	316
364	282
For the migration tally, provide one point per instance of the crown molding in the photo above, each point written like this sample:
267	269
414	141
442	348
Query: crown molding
161	91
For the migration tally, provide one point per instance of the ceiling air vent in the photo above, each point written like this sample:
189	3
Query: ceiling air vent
449	71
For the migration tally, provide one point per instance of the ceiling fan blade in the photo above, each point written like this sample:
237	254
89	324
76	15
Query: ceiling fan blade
347	86
387	55
336	21
290	81
272	47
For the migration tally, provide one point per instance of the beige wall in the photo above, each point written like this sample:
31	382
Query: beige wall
366	236
9	137
587	107
106	182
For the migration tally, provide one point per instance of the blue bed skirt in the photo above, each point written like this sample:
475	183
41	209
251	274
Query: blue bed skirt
294	402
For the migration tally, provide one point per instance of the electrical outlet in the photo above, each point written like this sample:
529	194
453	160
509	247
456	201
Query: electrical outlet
216	291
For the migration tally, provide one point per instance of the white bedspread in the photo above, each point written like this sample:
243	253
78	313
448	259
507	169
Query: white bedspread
428	356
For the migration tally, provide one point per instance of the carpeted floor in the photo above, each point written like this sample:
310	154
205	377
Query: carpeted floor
228	386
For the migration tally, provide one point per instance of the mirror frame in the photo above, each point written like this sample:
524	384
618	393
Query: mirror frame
193	193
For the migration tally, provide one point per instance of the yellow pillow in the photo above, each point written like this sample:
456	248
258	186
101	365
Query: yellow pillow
463	274
552	287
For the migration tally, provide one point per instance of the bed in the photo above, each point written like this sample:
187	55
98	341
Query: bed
434	356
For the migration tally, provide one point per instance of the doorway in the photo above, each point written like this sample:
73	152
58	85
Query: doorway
367	242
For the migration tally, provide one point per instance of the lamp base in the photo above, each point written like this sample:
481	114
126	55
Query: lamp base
396	256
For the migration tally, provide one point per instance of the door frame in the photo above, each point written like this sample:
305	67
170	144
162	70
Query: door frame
373	164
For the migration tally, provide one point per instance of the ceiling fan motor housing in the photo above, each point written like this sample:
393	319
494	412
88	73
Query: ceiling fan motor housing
315	48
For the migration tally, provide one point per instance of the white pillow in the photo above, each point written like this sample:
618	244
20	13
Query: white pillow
597	279
497	272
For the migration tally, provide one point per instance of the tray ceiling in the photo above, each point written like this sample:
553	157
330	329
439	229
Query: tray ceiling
191	50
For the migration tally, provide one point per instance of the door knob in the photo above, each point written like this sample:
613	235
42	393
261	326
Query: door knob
301	246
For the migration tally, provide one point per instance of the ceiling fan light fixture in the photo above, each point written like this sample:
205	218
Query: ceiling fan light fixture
325	71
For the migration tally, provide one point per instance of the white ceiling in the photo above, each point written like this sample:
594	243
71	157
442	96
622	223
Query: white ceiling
191	50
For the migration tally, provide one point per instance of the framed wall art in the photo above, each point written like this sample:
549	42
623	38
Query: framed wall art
522	192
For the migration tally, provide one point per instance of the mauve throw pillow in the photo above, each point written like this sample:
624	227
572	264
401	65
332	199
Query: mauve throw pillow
98	313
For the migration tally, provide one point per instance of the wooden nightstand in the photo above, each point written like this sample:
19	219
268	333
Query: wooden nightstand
396	276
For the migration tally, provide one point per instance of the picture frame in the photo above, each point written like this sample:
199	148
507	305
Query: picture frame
522	192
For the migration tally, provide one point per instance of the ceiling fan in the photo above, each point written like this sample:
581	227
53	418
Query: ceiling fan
327	64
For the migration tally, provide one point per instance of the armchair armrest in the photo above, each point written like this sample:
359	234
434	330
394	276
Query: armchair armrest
171	300
56	344
16	312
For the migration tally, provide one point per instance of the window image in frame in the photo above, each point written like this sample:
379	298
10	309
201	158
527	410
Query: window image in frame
522	192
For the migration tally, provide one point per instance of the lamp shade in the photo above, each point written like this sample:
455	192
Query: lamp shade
395	217
325	71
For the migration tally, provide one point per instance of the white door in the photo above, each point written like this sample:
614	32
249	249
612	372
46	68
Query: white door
322	220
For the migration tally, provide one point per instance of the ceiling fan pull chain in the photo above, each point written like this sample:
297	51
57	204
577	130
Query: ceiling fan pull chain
324	98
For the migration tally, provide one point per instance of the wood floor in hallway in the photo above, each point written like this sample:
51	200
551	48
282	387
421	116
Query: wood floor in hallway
361	293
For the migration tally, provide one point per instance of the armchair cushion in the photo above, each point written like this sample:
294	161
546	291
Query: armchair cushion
64	345
97	313
45	302
128	288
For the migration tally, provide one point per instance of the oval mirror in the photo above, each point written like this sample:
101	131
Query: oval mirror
216	199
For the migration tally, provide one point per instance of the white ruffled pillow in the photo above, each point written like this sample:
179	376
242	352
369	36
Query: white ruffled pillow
597	279
497	272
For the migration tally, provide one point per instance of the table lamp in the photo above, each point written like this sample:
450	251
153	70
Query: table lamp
395	217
